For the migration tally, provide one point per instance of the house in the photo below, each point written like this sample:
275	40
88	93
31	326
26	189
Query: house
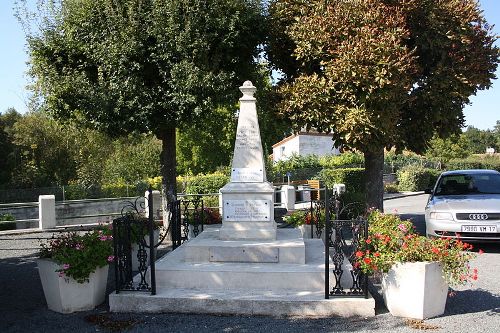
304	143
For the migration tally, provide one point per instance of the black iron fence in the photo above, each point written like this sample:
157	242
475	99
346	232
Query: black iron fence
135	242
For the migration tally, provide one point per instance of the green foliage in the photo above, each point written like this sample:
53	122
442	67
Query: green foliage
354	179
391	240
202	149
202	184
393	161
344	160
133	159
7	222
80	255
380	73
444	150
475	162
416	178
479	140
148	67
391	188
7	217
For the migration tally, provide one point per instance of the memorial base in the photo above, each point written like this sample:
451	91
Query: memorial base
247	211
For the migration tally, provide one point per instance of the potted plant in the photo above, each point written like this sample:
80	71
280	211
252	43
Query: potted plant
302	219
73	269
416	271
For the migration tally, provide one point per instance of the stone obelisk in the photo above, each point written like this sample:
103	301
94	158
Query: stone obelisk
248	199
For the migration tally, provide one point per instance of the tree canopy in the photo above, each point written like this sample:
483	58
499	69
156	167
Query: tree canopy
142	65
380	73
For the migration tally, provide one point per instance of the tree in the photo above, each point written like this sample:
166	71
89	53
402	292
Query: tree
45	152
380	73
7	147
443	150
479	140
144	66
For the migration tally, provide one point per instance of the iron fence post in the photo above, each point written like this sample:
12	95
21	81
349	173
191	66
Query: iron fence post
327	246
151	242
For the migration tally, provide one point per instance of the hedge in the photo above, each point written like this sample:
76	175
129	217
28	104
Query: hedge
416	178
7	225
202	184
354	180
474	162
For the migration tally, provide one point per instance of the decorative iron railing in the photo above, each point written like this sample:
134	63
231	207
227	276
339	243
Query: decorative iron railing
344	236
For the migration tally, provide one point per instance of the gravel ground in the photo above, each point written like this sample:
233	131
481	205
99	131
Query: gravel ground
23	307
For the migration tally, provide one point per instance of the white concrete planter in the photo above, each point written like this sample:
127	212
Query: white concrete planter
415	290
65	295
135	249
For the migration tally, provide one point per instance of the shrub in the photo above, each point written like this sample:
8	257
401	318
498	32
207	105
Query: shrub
344	160
416	178
202	184
391	188
391	240
474	162
354	179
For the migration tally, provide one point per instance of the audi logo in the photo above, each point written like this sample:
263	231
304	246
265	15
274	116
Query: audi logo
478	216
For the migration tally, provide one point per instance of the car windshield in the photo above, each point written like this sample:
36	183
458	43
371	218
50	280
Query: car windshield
461	184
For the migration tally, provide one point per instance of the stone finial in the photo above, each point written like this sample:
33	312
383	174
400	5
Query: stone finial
248	90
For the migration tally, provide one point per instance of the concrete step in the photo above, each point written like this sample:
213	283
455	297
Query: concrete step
242	302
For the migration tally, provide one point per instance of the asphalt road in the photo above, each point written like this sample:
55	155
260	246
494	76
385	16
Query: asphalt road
23	309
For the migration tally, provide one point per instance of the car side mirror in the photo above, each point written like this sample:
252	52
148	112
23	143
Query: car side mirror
428	191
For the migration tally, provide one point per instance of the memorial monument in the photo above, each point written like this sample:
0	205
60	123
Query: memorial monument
248	266
248	199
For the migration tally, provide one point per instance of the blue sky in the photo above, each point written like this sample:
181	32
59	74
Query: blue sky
483	113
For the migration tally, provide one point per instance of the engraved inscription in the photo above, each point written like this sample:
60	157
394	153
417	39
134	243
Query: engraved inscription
247	175
247	138
247	210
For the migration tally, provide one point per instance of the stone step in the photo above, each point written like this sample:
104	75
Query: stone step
288	248
242	302
173	272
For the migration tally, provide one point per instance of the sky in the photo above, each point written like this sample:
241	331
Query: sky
483	112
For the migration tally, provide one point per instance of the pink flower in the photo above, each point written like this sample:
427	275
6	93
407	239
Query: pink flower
61	274
103	238
79	246
66	266
111	258
402	227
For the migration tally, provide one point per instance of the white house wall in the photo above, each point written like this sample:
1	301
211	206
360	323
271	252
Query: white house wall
303	145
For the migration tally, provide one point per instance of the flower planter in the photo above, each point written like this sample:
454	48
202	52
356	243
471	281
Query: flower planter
415	290
65	295
135	249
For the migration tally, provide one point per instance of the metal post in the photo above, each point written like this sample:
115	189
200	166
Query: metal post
115	250
311	217
366	275
152	244
327	246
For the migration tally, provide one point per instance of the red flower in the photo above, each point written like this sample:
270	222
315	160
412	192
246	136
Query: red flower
376	254
435	250
359	254
480	252
368	241
367	260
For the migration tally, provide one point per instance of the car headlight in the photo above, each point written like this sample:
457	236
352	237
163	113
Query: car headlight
441	216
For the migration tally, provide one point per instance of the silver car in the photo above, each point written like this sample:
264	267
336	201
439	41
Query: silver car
465	204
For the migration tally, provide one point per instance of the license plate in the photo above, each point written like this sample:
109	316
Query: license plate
479	228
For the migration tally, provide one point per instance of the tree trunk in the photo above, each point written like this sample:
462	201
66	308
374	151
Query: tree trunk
374	170
168	163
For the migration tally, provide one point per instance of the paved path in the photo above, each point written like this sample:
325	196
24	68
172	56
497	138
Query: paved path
23	308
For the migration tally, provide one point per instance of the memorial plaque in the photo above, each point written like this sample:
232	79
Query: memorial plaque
247	210
246	175
249	254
